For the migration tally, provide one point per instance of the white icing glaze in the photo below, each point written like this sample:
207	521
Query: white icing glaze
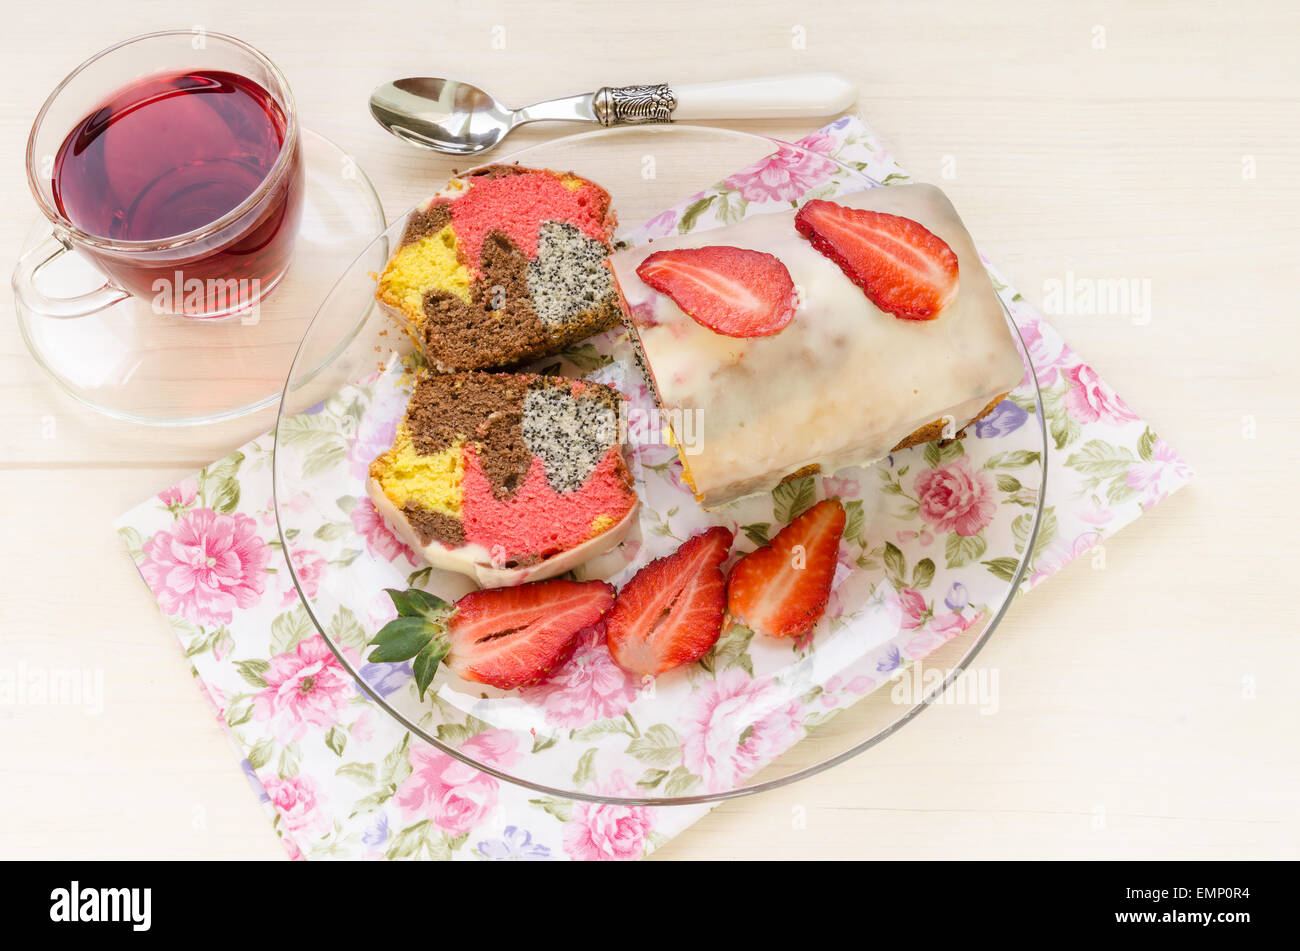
845	382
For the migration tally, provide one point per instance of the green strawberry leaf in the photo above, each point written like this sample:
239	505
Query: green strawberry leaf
416	603
401	639
427	661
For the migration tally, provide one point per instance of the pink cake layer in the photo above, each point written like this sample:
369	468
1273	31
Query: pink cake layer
518	205
536	519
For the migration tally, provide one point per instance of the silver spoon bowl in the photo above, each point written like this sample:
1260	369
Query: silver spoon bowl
459	118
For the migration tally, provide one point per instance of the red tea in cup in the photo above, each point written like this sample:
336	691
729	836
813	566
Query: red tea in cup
184	186
168	155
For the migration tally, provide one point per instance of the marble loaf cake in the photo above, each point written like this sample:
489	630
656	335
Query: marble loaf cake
505	265
506	477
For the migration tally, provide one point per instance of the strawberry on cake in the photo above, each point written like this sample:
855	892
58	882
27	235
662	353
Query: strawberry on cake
504	265
815	340
506	477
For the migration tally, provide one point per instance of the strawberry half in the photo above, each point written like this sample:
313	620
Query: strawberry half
732	291
503	637
781	589
670	613
904	268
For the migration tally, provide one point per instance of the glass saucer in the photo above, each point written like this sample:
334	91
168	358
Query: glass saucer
755	713
132	364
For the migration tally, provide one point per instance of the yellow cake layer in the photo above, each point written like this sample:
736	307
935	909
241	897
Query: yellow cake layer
431	482
432	263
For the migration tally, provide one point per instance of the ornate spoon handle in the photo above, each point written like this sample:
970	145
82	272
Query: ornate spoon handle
626	105
771	97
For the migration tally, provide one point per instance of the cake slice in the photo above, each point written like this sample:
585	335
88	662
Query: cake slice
896	336
504	265
506	477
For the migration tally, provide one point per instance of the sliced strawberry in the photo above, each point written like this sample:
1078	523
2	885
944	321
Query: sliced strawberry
503	637
732	291
904	268
781	589
508	637
670	613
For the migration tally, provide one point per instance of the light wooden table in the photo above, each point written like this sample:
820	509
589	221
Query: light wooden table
1147	709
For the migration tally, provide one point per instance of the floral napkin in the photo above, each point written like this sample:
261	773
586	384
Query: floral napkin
339	779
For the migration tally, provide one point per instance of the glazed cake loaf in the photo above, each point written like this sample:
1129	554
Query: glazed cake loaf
884	346
506	477
504	265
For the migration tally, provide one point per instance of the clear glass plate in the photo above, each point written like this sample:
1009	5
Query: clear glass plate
750	716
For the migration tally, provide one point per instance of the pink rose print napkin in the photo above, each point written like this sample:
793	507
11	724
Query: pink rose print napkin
339	779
